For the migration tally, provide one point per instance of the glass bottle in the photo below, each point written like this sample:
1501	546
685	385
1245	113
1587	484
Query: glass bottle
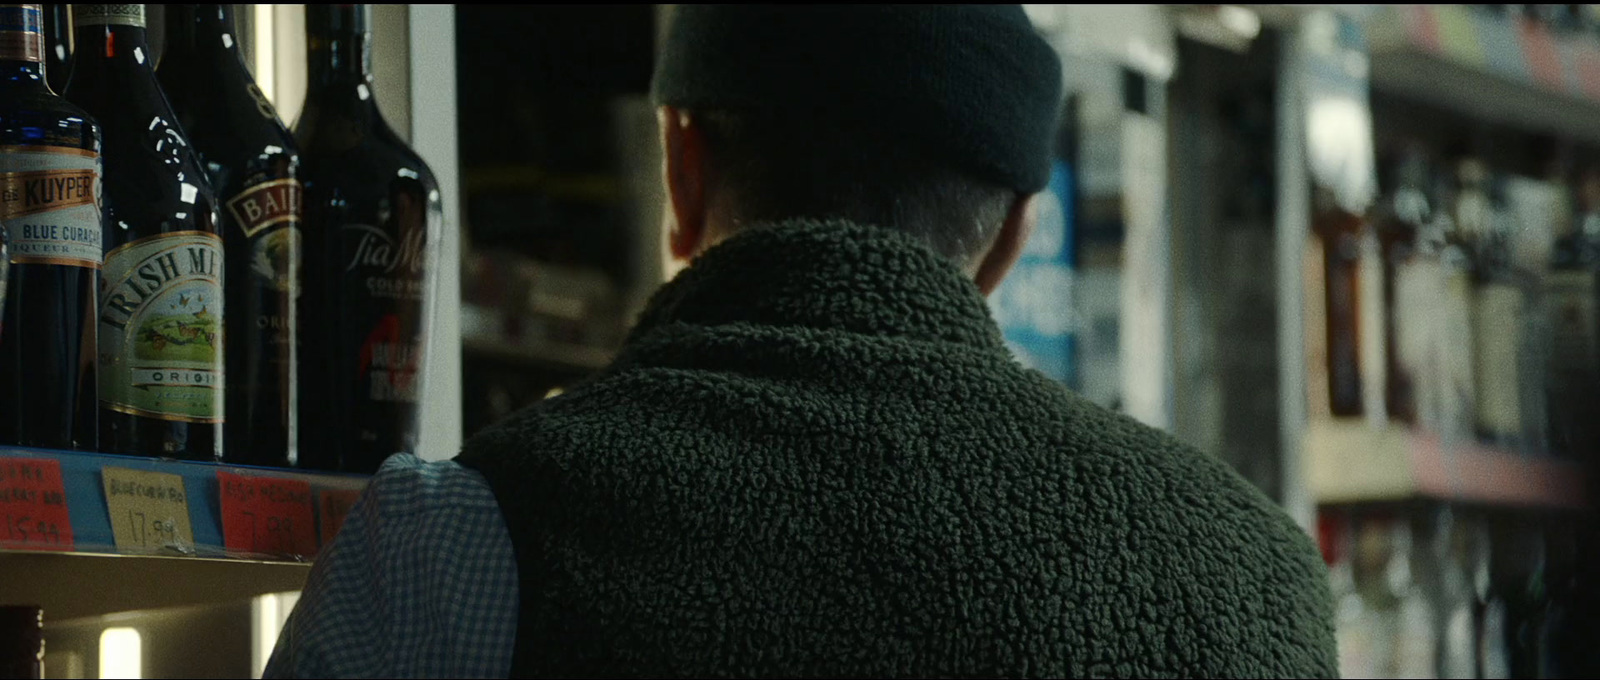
57	46
1454	337
21	640
372	220
1498	306
1339	244
50	168
1573	301
252	164
1408	210
161	307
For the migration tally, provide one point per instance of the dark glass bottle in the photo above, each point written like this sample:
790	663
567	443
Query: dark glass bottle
1340	234
1573	291
373	216
57	46
49	170
161	307
253	166
21	640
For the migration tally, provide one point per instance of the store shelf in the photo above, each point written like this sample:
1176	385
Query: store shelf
1492	68
97	504
572	358
1355	462
74	586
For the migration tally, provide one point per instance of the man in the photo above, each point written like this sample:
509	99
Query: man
814	455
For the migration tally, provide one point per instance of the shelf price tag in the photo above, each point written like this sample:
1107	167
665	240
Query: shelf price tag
335	506
267	516
33	505
149	511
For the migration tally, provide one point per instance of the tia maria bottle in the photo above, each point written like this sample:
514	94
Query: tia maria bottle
161	306
49	186
253	165
373	216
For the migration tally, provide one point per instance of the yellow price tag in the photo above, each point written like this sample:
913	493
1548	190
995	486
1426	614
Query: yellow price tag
149	511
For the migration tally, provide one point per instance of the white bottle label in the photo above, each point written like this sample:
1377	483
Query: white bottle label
49	205
161	328
1497	348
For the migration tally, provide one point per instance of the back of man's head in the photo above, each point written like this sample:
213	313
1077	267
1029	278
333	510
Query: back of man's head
928	119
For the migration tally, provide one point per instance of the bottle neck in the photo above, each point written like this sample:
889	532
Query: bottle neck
204	32
21	45
339	49
112	43
339	61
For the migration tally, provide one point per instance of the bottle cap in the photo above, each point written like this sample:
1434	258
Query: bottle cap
108	15
21	33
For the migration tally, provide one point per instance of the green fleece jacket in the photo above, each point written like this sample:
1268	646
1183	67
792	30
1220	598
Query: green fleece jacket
815	457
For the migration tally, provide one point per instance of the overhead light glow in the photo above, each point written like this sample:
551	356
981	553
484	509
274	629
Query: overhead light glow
121	653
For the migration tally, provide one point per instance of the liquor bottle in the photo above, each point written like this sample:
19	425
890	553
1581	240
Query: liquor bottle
1358	626
1383	572
1408	209
49	174
161	306
1521	574
1338	249
1409	574
253	164
57	46
21	640
1573	303
1453	337
1495	604
1458	605
1498	305
1562	613
372	218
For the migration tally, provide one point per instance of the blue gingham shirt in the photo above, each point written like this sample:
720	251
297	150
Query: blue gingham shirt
420	582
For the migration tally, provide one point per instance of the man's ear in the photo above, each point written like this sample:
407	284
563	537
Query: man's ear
683	155
1008	244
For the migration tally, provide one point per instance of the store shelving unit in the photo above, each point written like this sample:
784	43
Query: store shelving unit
74	546
102	579
1498	70
1495	69
92	488
1352	462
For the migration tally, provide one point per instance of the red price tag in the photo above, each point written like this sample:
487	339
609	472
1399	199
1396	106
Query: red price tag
33	505
266	516
336	504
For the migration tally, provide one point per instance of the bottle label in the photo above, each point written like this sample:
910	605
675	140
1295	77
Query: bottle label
49	205
108	15
161	328
1419	290
1372	352
21	33
269	215
1453	344
1496	346
392	269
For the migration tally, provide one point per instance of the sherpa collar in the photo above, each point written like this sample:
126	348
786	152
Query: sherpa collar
831	276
